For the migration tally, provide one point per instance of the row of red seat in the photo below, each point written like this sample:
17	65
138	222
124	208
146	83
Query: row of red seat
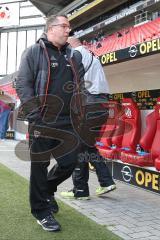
130	36
121	135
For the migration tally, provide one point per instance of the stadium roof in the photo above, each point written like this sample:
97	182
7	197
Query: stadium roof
91	10
49	7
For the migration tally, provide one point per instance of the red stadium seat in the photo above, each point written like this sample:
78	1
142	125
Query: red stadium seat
127	132
155	149
157	163
142	158
149	143
112	131
147	138
132	122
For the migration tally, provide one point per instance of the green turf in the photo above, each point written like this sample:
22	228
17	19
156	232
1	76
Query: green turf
16	222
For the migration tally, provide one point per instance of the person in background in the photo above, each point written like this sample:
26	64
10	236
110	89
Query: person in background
45	71
95	83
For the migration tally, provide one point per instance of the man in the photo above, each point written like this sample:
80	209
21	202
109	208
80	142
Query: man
45	71
95	83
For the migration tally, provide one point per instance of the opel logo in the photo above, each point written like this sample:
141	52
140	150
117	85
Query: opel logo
126	174
133	51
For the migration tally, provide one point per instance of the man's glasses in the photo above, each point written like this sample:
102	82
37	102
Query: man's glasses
64	26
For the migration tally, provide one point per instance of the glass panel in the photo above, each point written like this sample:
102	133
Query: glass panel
39	33
31	38
9	1
11	64
27	3
21	45
32	21
3	53
30	11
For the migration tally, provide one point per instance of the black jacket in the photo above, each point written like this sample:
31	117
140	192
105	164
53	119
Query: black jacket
33	77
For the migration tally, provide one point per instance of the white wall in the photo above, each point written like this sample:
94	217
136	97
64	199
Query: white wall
14	40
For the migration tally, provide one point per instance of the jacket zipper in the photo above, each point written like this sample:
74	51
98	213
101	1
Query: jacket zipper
48	79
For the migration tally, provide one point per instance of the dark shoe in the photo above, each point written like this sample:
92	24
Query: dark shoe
49	224
54	207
